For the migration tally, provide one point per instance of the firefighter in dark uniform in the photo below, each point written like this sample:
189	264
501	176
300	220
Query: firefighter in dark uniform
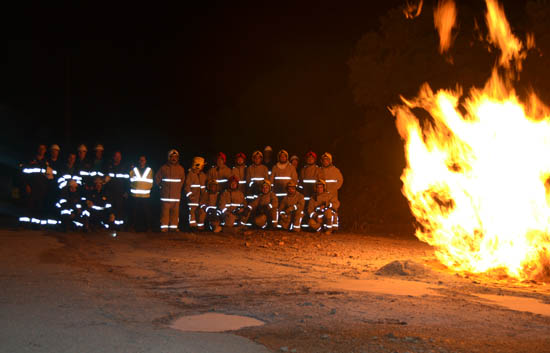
99	208
35	184
117	186
83	166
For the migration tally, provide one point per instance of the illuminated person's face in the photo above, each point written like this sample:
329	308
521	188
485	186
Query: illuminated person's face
142	162
257	159
265	188
212	188
173	158
291	190
98	154
82	155
234	184
41	150
320	188
54	154
220	162
294	163
71	159
310	159
240	161
325	162
268	155
117	157
283	158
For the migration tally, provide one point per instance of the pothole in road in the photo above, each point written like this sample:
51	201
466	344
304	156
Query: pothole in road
214	322
518	303
386	286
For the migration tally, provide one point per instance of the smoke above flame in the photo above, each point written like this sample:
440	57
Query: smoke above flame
478	166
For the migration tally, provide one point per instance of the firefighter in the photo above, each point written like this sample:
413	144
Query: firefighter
268	158
239	170
220	172
69	172
99	209
72	207
322	208
210	216
309	175
256	173
117	185
291	209
170	179
195	183
98	164
83	166
330	174
53	172
141	183
35	184
233	205
264	209
294	160
282	173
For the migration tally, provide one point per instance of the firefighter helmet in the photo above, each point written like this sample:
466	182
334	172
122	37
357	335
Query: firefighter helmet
55	147
328	156
82	148
257	153
198	162
312	154
222	156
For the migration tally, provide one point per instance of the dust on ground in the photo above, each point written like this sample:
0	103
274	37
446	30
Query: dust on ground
318	293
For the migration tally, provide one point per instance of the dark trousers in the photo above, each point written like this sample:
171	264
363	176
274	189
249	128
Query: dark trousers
141	214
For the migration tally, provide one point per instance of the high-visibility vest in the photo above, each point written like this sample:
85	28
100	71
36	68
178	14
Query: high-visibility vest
140	185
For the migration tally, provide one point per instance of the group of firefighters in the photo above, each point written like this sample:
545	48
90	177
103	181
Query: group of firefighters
90	194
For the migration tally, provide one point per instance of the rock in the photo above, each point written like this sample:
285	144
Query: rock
281	243
283	349
402	268
247	244
332	311
305	304
390	335
412	339
325	336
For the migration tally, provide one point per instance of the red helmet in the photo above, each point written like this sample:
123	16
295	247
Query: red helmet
222	156
233	178
240	154
312	154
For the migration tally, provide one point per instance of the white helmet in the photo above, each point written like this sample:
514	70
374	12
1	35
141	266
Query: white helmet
55	147
99	147
82	148
173	151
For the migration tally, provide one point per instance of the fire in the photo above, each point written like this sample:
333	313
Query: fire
444	21
478	169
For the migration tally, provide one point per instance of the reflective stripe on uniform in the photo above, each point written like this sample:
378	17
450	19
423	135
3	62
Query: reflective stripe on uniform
169	200
140	192
168	180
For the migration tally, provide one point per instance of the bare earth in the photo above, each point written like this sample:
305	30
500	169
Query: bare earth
315	293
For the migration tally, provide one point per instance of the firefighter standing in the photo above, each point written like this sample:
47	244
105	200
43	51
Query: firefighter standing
330	174
221	172
322	208
282	173
141	183
170	179
210	216
264	210
233	205
35	184
117	180
256	173
83	166
195	183
309	175
239	170
291	208
98	164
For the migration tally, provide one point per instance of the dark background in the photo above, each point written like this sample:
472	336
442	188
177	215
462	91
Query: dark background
236	76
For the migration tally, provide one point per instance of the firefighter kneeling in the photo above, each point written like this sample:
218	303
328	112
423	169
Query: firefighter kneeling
71	208
292	208
100	208
210	215
233	205
264	208
322	208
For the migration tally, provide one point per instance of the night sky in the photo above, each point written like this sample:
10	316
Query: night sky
212	76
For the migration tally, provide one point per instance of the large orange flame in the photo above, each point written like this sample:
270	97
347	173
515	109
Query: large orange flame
444	21
477	171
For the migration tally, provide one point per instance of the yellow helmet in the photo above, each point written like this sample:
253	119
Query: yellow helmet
198	162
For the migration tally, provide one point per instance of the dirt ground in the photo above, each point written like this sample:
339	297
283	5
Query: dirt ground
316	293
